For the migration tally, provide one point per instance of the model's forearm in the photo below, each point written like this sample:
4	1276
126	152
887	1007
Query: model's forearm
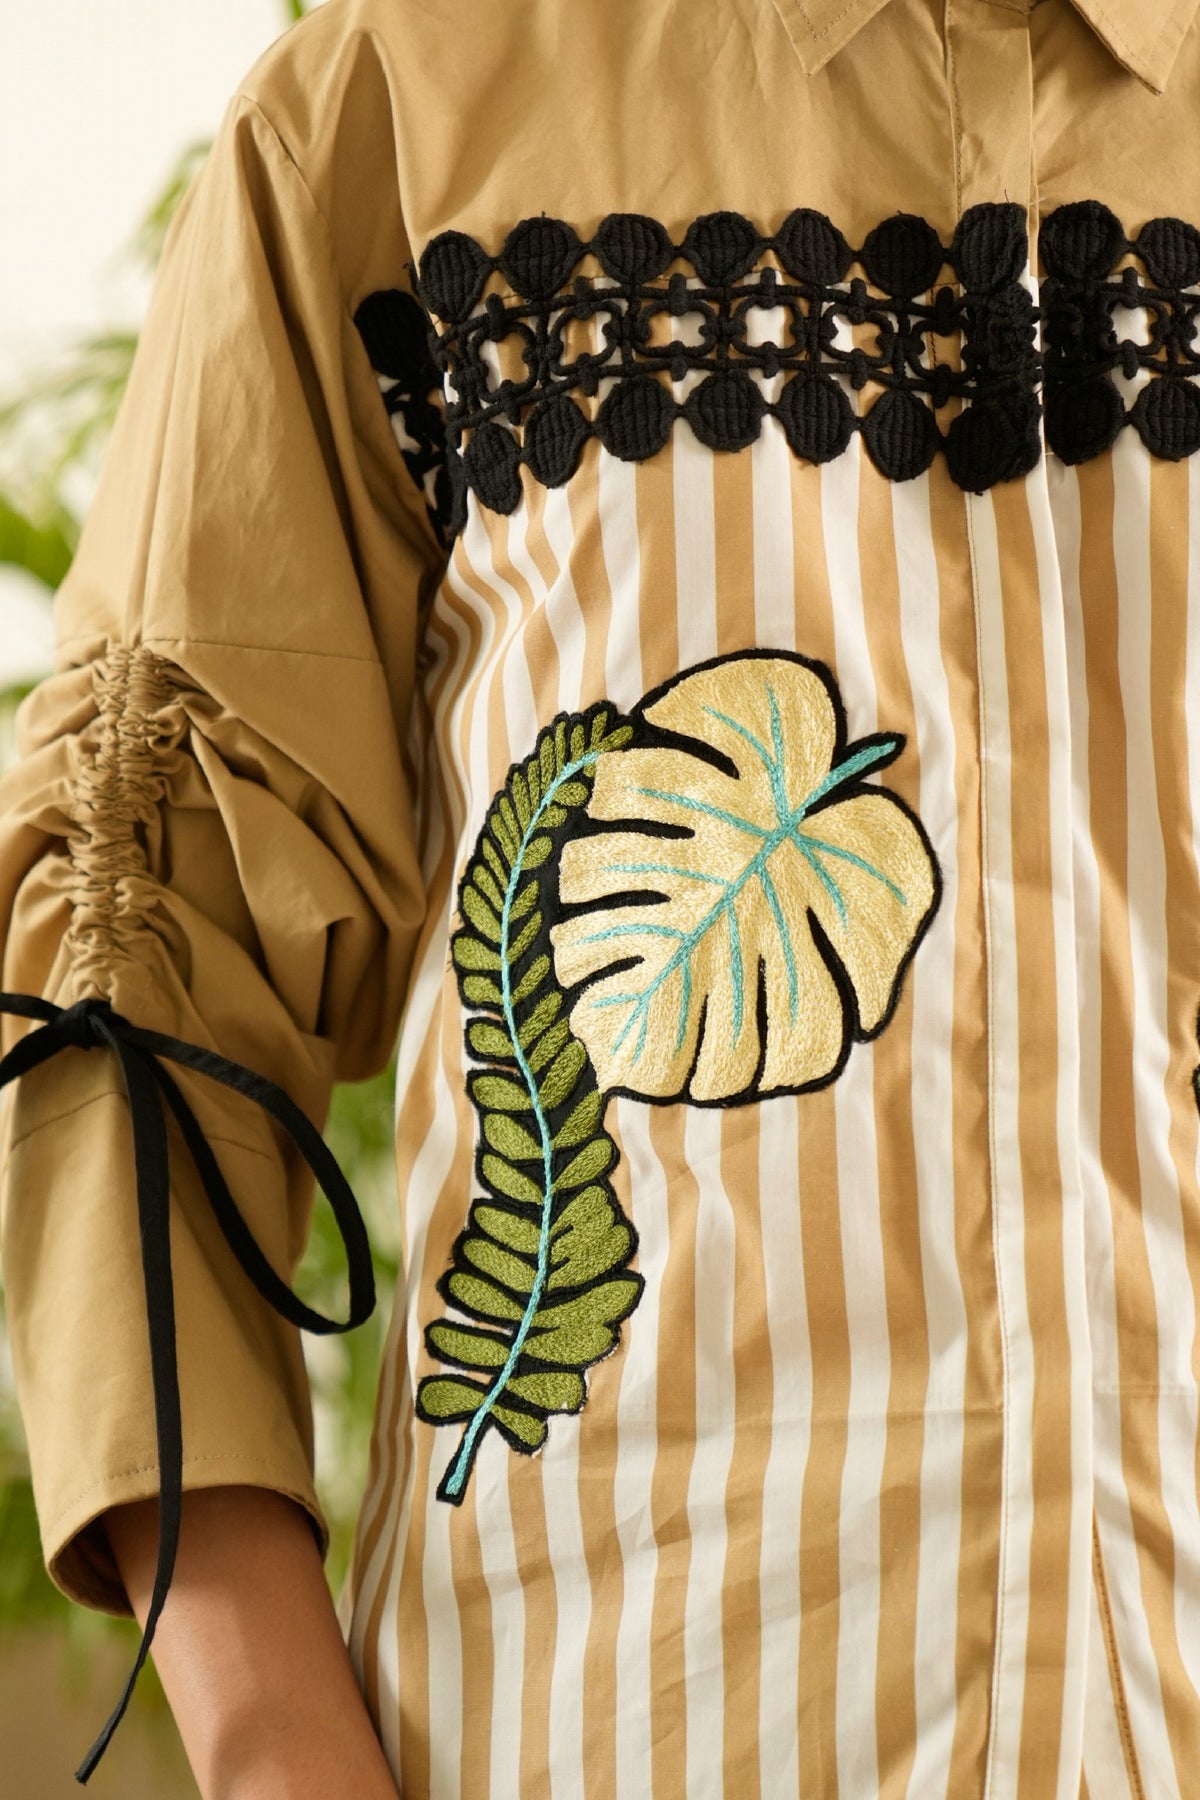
249	1649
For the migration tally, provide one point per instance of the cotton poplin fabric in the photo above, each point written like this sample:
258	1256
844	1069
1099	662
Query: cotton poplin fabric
650	560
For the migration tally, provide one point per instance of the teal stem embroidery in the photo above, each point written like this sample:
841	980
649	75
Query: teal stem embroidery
461	1469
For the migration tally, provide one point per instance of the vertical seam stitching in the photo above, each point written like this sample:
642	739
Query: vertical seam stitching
1120	1704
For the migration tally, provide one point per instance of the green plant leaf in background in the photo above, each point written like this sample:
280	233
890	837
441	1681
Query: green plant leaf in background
44	550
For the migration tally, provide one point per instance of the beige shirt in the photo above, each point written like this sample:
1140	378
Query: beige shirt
728	701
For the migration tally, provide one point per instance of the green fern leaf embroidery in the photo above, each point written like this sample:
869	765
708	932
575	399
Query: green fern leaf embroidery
541	1269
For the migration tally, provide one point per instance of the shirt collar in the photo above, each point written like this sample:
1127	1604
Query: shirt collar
1143	35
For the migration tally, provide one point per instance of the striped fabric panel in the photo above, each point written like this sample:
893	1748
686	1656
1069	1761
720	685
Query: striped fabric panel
1129	563
789	1522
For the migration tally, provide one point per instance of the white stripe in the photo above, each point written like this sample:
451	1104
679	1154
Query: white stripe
617	487
563	612
858	1188
1075	1296
637	1445
693	473
933	1079
702	1642
776	553
779	1219
1008	1683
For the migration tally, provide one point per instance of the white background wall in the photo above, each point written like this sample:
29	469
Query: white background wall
96	102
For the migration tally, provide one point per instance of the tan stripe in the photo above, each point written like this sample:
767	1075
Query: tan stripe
978	1563
1033	882
820	1506
821	1238
900	1495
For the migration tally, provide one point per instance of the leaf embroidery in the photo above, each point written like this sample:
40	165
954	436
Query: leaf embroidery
542	1263
706	900
778	896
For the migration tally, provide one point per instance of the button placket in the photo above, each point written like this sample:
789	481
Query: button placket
1027	899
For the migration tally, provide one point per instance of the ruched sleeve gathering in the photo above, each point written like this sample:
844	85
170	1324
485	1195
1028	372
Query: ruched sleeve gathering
211	828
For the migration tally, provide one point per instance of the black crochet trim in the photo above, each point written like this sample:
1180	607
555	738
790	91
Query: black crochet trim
894	292
995	436
397	337
1081	244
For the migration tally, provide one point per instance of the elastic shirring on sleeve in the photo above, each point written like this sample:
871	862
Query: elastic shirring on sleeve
122	763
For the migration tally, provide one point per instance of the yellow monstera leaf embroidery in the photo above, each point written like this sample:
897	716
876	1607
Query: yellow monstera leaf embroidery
752	905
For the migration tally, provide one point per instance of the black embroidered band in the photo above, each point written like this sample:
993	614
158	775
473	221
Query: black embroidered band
94	1021
394	333
1083	291
563	356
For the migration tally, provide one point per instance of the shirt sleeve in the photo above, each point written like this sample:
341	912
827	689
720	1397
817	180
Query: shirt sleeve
211	822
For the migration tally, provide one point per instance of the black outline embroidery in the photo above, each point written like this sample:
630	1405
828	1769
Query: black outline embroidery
543	1160
1002	382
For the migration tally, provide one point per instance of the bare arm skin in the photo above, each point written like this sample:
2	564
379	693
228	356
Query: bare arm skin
249	1649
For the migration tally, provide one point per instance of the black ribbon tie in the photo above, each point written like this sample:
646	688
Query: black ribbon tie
92	1022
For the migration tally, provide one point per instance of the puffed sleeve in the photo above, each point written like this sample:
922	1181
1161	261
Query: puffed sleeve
209	825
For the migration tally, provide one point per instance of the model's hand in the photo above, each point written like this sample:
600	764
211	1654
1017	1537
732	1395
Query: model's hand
249	1650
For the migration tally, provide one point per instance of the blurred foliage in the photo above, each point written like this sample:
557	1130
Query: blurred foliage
52	434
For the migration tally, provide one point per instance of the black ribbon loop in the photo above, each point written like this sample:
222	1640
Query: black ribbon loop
92	1022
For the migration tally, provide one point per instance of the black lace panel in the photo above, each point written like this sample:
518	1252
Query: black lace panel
1083	295
396	336
555	340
